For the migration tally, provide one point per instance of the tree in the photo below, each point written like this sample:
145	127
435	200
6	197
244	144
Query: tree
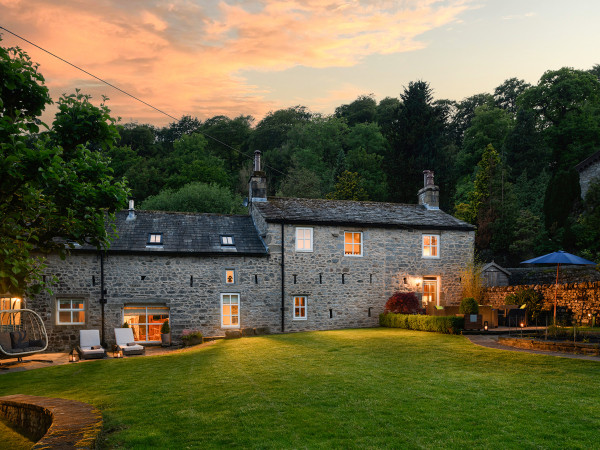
302	183
505	95
418	135
229	140
48	195
349	187
361	110
197	197
271	132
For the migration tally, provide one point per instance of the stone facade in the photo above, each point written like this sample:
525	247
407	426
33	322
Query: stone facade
180	263
580	300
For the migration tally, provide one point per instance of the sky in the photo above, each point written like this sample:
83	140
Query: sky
247	57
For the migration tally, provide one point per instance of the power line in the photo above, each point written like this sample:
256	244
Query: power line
130	95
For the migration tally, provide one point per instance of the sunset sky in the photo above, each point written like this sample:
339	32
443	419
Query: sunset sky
232	57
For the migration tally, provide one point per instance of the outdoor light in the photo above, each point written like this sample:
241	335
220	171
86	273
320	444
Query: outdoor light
73	356
522	325
117	352
485	325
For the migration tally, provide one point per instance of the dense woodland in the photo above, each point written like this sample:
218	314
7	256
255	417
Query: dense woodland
504	161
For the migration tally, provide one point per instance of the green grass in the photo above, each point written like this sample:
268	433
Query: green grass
16	440
367	388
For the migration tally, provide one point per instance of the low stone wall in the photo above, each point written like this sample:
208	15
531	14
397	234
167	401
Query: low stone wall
551	346
53	422
582	300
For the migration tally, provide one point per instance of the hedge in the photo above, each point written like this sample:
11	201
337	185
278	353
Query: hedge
438	324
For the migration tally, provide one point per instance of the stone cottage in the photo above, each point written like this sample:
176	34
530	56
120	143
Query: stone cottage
290	265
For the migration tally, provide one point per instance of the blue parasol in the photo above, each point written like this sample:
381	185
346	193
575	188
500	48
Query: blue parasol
558	258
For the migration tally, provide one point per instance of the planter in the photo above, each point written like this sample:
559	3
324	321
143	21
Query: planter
165	339
472	321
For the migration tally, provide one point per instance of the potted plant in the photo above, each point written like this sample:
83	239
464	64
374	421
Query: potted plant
190	337
470	309
165	334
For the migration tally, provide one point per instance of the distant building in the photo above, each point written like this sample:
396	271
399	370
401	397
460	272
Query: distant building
589	171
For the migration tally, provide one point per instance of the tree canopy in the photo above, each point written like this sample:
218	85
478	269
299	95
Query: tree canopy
57	187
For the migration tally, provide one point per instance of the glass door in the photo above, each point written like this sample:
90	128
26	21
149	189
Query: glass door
145	321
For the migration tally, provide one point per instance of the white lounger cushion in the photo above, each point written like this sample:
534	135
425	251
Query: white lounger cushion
123	336
89	338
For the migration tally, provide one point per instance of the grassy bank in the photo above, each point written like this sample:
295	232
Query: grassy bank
350	388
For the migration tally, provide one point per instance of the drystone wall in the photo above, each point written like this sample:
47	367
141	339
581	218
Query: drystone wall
580	301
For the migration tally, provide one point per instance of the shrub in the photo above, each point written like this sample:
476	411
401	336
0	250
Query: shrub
165	328
189	335
468	306
403	303
510	299
437	324
471	281
530	297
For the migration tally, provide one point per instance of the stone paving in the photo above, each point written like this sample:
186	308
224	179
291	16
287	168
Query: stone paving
57	359
491	341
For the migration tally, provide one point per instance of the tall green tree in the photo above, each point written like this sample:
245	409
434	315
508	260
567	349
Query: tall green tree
47	191
418	135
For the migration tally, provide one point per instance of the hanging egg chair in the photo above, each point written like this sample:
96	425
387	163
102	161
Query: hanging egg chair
22	333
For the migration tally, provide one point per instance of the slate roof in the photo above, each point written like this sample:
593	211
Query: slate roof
186	233
347	212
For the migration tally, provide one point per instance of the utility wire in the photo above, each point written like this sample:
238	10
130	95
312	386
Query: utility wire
131	95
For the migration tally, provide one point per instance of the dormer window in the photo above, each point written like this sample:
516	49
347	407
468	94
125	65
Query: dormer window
227	240
155	239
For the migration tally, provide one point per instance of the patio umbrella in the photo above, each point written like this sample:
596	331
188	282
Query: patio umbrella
558	258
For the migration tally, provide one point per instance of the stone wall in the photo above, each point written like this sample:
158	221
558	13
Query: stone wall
348	291
160	279
342	291
581	300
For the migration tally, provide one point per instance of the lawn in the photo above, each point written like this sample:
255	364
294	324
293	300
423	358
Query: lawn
351	388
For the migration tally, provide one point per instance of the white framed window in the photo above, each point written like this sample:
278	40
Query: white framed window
230	310
431	246
304	239
227	240
230	276
353	243
145	321
300	307
430	291
70	311
155	239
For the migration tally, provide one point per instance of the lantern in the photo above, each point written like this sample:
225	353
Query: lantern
485	325
73	356
117	352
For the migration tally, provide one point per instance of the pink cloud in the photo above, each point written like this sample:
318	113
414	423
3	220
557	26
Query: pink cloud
188	58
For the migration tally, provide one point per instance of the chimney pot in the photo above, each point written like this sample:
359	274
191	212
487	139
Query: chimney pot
257	160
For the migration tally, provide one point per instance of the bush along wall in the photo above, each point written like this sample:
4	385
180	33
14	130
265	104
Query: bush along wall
437	324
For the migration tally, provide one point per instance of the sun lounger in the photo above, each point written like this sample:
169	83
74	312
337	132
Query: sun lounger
89	345
125	340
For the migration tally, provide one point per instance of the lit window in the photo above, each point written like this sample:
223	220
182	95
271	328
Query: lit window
230	276
145	321
230	310
429	291
227	240
431	246
299	308
155	239
304	241
352	243
70	312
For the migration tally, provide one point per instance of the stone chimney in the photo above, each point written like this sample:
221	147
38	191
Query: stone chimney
131	215
257	187
429	195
